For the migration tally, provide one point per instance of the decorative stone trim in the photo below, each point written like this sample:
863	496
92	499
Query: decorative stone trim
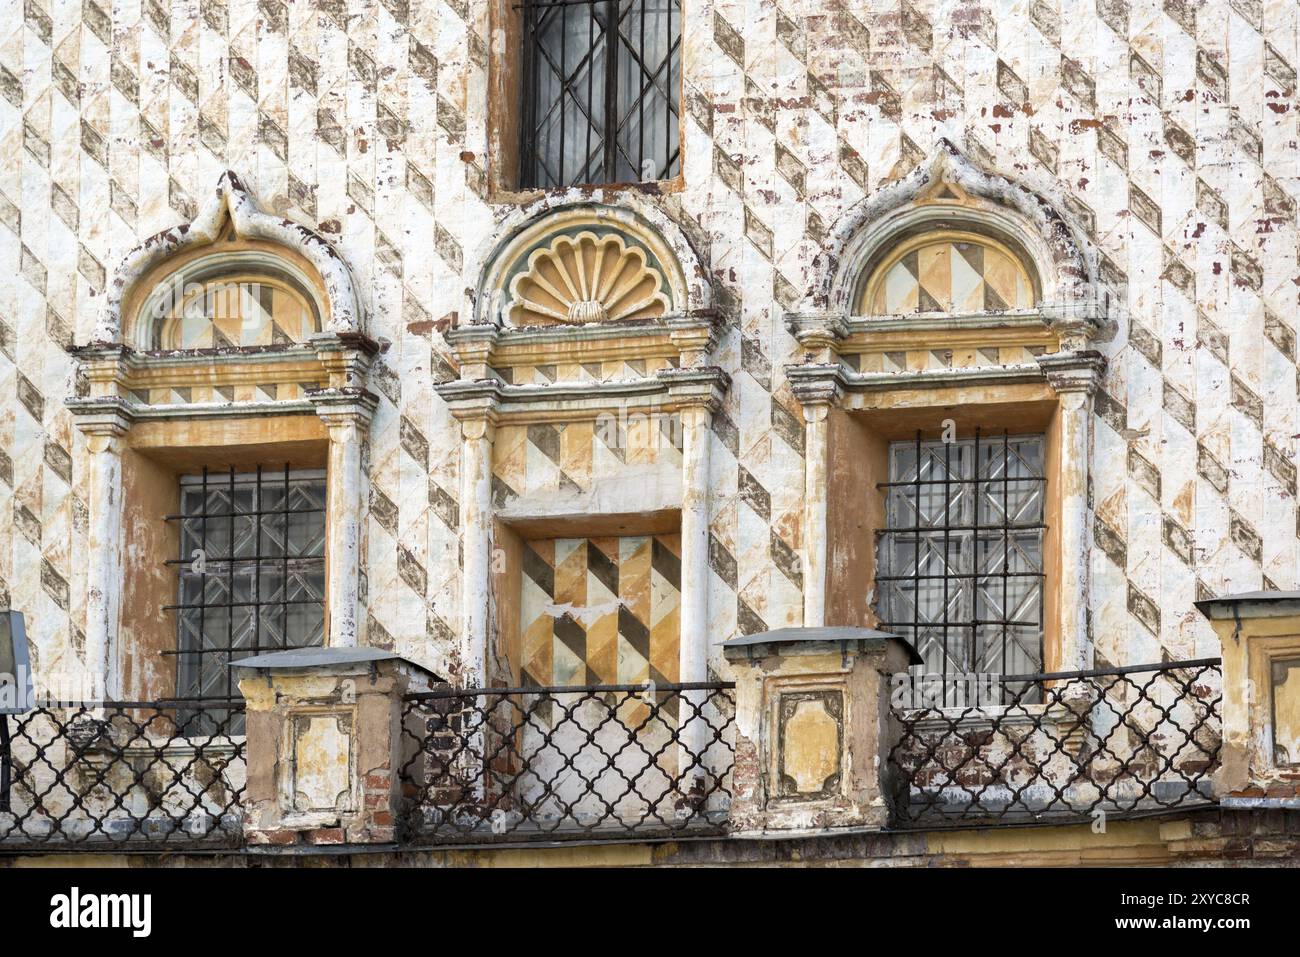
325	744
231	201
814	729
952	190
1074	371
637	225
586	279
1260	636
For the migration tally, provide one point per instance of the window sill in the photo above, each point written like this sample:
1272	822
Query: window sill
516	196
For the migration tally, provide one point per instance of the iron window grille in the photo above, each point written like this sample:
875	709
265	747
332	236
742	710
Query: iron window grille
961	563
252	577
600	91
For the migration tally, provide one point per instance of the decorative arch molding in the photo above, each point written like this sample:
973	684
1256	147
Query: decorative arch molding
643	240
953	191
1019	358
232	203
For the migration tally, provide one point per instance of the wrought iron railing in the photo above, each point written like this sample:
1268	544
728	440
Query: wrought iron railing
596	762
119	774
1083	745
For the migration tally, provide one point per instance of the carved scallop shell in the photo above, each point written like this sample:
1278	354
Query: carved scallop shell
586	278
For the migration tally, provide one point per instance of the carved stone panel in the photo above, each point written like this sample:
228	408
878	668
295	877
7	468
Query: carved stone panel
322	763
810	736
1286	711
587	278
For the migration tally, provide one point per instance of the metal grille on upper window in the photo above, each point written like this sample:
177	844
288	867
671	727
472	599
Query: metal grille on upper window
252	573
961	559
601	91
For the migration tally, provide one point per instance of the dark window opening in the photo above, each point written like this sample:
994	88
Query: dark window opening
961	563
600	92
252	578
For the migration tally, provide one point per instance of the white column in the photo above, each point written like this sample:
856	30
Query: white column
693	661
1075	438
104	558
477	434
1074	375
816	453
343	589
694	647
346	413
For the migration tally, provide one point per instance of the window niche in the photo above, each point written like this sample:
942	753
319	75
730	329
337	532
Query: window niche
952	306
229	348
585	395
585	94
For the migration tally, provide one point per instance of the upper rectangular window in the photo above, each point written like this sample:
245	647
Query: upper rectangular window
601	91
961	559
252	573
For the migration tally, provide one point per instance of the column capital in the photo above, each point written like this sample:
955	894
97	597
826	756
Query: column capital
475	405
482	427
346	357
701	387
344	406
473	345
818	333
1077	321
1078	371
816	383
695	337
107	416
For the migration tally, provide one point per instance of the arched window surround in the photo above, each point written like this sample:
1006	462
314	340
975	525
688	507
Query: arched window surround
867	380
950	192
159	296
152	417
232	212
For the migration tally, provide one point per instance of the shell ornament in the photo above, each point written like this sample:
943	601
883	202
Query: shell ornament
586	278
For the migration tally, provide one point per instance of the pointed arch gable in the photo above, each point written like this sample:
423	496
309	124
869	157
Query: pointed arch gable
232	203
951	190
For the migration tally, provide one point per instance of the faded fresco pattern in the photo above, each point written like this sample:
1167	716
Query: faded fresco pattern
1164	131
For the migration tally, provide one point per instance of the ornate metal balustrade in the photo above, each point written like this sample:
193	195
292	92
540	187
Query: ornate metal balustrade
596	762
1071	746
121	774
618	762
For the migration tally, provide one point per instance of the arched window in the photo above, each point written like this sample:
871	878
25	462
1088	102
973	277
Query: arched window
953	272
227	300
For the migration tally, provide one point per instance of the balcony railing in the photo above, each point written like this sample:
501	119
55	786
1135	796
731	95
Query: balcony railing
600	762
121	774
618	762
1073	746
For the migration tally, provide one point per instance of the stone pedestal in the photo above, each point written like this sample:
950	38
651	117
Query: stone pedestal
1259	760
324	744
814	729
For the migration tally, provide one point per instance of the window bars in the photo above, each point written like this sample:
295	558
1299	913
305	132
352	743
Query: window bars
961	561
252	574
600	91
605	762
